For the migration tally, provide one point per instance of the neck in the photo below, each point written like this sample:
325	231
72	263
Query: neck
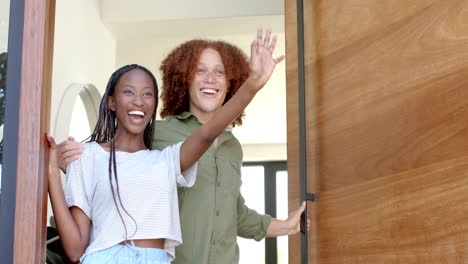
128	143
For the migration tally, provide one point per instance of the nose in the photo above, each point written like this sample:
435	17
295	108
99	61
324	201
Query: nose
210	77
138	100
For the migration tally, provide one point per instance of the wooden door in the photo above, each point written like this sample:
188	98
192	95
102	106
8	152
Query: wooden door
386	129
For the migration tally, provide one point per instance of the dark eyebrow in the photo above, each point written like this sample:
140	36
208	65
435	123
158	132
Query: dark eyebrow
131	86
128	85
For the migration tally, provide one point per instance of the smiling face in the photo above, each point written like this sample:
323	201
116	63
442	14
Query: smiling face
208	87
134	102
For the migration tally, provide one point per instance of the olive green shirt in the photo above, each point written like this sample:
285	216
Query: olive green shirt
212	212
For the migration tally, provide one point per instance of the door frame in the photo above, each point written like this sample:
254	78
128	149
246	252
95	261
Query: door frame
23	210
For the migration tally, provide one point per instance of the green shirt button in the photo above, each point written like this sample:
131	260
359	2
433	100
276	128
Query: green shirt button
217	212
219	184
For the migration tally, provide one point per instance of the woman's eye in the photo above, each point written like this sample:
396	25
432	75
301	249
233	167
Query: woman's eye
148	94
128	92
219	73
201	71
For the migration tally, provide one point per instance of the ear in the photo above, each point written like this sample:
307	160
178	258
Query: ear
111	103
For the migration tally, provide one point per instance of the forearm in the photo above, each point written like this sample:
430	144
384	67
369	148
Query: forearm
277	228
73	241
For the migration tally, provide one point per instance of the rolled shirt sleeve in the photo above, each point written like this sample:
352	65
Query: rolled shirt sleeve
251	224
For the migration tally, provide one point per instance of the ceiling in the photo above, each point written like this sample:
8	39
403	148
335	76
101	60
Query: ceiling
160	10
156	18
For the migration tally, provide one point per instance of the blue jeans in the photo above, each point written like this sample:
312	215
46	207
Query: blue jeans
127	254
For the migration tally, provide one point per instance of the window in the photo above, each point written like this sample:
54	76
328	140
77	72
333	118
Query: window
265	189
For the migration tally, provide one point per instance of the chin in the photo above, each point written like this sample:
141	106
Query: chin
211	107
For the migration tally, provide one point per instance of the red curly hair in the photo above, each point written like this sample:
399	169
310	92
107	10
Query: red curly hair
178	69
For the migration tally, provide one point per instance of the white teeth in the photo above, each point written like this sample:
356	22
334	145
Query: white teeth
135	112
209	90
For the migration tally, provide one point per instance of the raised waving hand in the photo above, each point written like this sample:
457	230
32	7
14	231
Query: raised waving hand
262	62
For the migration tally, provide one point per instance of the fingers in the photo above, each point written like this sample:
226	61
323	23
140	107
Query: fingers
273	43
266	42
269	43
68	157
259	41
253	47
302	207
51	141
70	146
64	162
69	151
260	36
279	59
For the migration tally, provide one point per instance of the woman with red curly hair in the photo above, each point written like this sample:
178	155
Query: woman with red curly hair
181	66
199	76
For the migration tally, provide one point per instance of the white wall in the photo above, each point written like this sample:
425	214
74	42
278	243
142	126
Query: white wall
84	51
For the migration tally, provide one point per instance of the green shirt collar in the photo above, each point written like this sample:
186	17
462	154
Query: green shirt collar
187	115
184	115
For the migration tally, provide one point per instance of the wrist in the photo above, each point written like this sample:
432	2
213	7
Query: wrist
287	227
252	84
278	228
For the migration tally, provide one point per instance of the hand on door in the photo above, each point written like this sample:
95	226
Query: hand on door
289	226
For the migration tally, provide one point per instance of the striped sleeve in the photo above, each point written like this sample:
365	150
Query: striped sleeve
172	157
77	184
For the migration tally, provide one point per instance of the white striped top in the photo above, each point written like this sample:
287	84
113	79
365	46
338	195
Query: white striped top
148	182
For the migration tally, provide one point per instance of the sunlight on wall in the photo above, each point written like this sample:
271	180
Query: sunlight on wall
79	126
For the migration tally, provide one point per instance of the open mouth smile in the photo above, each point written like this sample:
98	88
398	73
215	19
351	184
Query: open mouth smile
136	115
209	91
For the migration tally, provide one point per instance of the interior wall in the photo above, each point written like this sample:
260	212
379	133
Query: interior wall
84	50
